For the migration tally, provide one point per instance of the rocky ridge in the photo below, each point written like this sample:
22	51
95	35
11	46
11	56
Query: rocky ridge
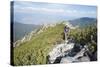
32	33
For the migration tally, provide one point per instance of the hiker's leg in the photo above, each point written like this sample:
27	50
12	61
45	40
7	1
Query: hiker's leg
65	36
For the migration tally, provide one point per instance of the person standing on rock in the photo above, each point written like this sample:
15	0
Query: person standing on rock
66	30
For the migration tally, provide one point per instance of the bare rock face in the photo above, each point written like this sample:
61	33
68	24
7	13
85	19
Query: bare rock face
59	51
61	54
84	59
68	60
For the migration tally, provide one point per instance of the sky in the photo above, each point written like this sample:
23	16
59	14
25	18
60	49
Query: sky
39	13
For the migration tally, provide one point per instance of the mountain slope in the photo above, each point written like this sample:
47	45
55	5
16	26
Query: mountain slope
84	21
20	29
36	50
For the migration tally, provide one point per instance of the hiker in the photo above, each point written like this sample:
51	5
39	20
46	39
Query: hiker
66	30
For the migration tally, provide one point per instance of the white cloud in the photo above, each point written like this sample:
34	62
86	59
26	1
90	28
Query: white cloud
32	9
51	10
48	10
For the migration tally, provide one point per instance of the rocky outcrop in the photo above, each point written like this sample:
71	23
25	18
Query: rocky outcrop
24	39
59	51
45	26
61	54
27	37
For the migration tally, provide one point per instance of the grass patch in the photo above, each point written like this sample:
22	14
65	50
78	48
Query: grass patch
36	50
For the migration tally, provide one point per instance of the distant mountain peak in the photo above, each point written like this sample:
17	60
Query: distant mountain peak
83	21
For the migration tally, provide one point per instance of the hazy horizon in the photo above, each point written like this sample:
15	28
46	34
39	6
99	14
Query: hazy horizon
40	13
